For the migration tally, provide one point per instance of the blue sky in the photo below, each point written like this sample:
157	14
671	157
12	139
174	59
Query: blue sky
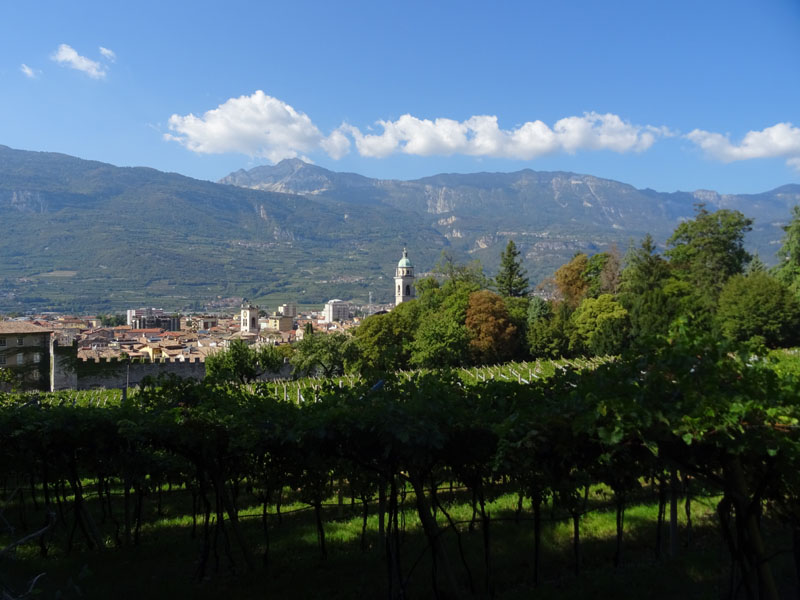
668	95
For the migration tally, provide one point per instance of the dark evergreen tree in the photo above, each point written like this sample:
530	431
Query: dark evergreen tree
511	279
643	294
756	265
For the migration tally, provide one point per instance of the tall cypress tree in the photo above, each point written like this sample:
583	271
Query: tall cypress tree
511	279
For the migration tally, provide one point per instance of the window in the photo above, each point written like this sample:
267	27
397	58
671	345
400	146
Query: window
2	360
20	341
2	341
37	357
20	359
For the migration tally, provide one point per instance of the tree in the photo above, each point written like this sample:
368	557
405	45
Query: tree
242	363
602	273
113	320
788	269
323	354
643	292
538	308
707	250
755	265
570	280
471	272
600	326
611	274
384	340
511	279
440	341
8	380
493	337
518	315
758	307
548	336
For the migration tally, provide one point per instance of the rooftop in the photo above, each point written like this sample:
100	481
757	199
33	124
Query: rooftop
21	327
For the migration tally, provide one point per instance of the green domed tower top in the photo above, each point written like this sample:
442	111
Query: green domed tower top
404	262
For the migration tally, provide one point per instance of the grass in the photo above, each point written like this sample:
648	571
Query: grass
164	564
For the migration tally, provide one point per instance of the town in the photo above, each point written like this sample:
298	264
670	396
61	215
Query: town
52	352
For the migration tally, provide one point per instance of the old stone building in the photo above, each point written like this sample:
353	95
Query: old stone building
27	351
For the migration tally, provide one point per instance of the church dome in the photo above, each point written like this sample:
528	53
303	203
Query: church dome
404	262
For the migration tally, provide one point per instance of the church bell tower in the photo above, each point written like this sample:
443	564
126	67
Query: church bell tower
404	280
249	318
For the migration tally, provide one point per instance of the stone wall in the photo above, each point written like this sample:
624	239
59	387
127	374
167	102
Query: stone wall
76	374
124	373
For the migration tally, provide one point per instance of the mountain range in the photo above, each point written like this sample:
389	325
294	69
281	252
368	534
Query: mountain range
85	235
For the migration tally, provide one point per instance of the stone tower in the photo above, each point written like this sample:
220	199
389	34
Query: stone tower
249	318
404	280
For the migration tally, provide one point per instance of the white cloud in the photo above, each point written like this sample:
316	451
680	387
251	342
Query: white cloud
263	126
257	125
481	136
336	144
28	72
780	140
108	54
66	55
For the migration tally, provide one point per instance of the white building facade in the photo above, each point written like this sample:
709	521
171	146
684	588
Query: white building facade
336	310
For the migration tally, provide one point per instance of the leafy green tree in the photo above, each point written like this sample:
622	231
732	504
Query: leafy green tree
511	280
427	292
440	341
323	354
758	307
8	380
707	250
602	273
384	340
600	326
788	268
242	363
471	272
113	320
493	337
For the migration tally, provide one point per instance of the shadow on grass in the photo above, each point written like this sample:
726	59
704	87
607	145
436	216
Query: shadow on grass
164	564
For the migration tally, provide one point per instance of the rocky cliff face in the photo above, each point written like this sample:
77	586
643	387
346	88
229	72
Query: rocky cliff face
550	215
